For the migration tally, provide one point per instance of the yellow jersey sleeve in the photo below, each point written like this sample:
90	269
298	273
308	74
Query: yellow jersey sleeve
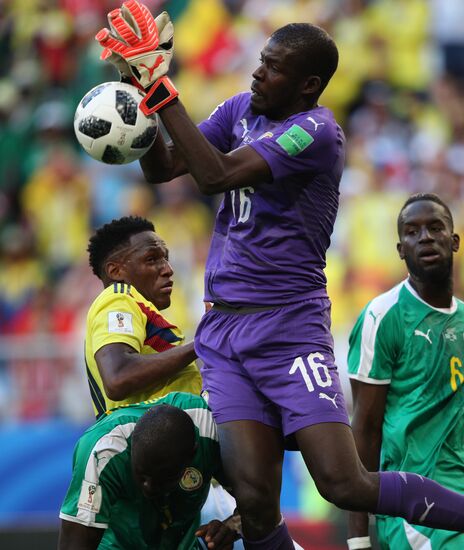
116	318
120	314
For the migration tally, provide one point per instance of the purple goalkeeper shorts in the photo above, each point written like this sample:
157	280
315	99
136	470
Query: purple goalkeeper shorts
275	365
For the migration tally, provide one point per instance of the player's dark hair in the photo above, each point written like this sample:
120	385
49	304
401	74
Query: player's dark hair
314	46
113	236
164	432
424	197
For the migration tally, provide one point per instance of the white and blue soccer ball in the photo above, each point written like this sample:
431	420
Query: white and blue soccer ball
110	126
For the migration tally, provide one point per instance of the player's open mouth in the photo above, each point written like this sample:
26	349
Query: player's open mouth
254	91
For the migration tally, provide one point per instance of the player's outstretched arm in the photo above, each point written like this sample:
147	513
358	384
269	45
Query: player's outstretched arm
368	414
141	47
124	371
74	536
213	171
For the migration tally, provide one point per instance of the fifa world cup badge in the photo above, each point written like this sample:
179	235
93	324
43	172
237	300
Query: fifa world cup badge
90	498
92	489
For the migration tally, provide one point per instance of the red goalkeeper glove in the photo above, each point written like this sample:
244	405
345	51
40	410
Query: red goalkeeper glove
139	45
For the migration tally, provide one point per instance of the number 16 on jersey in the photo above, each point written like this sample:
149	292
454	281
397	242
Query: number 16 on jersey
244	203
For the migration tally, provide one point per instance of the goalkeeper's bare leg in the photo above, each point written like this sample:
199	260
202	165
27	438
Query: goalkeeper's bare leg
330	454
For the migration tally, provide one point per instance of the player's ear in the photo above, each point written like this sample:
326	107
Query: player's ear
399	247
312	85
114	271
456	241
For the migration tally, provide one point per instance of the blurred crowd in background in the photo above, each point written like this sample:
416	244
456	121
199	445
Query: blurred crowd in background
398	94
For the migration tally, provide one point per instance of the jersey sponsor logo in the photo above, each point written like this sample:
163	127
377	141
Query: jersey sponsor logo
450	334
374	316
244	123
333	399
424	335
316	124
191	480
99	458
294	140
155	65
428	507
120	322
90	498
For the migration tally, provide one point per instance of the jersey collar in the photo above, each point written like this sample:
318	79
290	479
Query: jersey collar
448	310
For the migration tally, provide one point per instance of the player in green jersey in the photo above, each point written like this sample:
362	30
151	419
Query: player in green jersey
141	475
406	365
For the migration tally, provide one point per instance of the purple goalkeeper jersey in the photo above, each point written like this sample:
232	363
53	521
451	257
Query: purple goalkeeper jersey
269	242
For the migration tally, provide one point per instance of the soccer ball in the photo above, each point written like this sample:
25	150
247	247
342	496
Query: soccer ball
110	126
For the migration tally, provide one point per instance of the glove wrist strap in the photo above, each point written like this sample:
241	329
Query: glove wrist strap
162	93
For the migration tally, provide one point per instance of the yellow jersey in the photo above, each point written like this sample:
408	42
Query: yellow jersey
120	314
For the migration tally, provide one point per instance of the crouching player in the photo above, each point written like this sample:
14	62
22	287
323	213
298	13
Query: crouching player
141	475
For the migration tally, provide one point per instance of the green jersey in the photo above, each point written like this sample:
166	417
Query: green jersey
418	350
103	493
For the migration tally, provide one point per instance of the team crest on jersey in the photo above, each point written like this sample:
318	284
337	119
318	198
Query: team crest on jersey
450	334
295	140
191	480
90	498
205	395
120	322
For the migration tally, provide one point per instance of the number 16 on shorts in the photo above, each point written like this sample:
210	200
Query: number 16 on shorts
318	370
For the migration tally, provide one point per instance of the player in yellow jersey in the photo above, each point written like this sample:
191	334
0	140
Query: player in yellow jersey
132	352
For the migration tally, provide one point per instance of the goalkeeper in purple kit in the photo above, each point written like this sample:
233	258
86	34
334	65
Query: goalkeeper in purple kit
269	371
